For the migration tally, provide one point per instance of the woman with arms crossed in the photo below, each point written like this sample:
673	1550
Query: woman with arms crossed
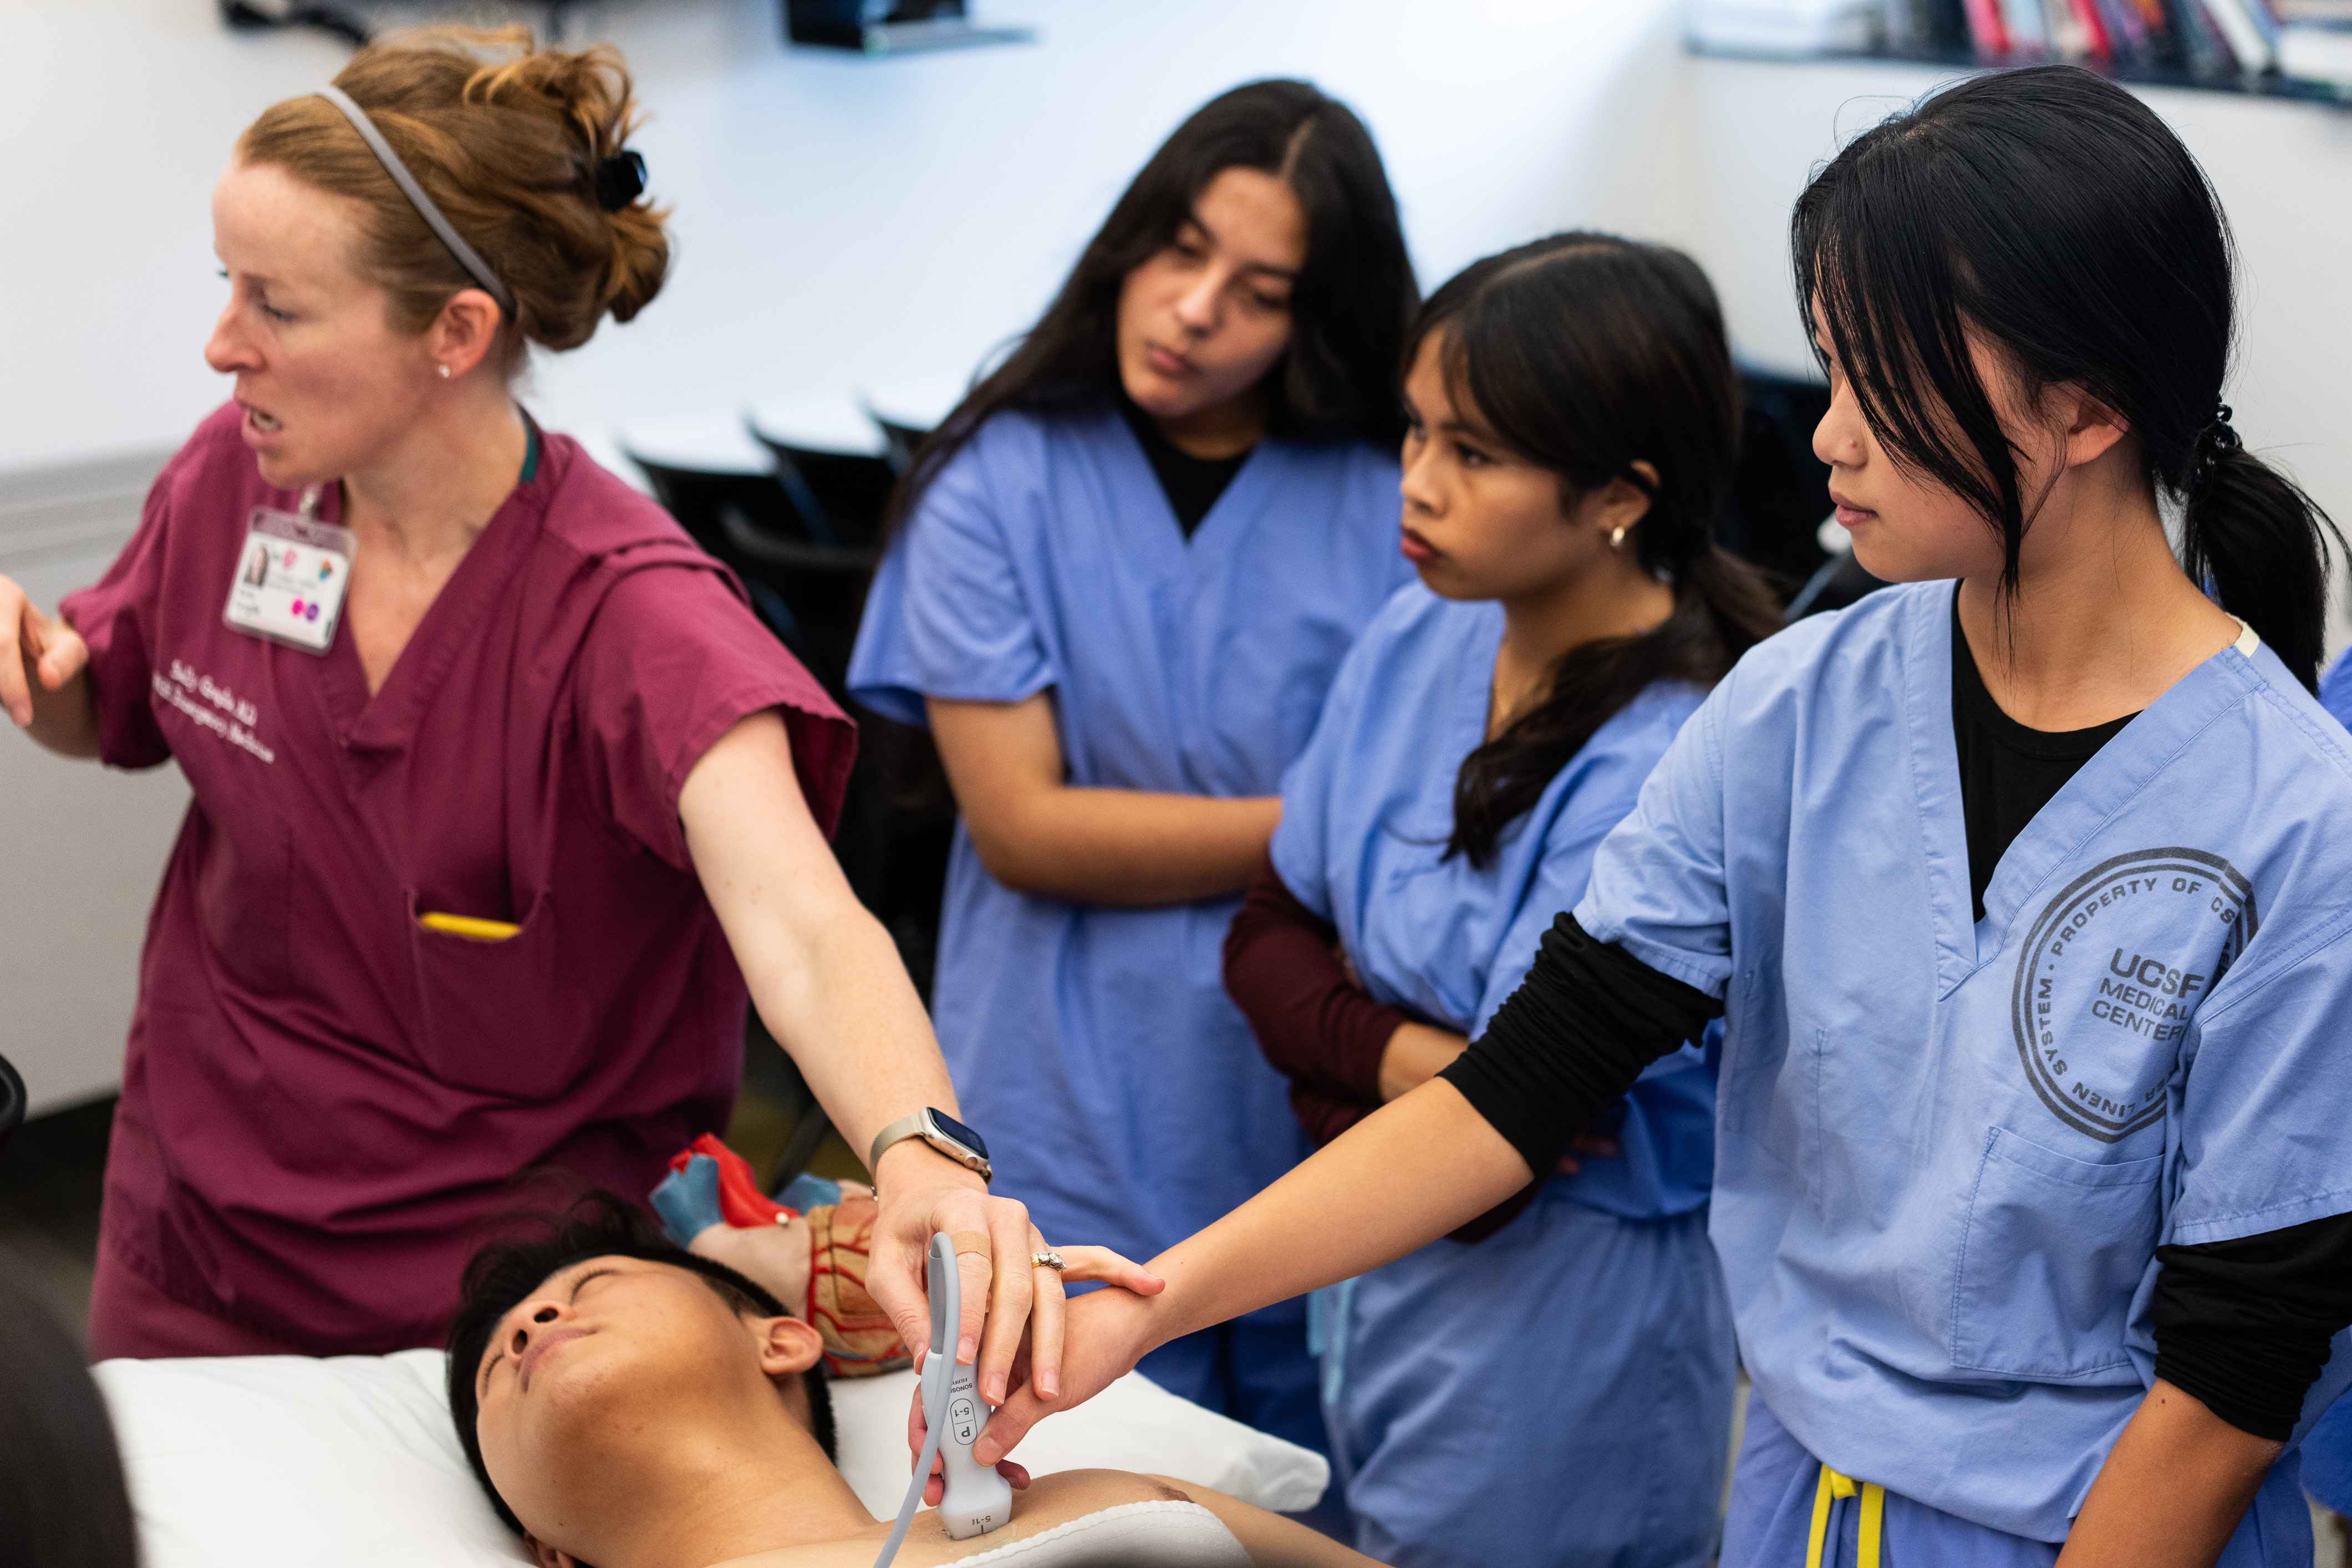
1131	560
1571	422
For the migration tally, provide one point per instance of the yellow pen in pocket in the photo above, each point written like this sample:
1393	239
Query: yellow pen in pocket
467	926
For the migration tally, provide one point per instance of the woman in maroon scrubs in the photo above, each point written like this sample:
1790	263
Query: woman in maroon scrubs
486	843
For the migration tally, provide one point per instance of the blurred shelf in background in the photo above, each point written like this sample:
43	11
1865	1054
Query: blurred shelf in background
2299	49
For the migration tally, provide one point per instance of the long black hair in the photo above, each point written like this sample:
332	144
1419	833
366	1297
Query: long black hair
505	1272
1349	307
63	1500
2053	213
1585	355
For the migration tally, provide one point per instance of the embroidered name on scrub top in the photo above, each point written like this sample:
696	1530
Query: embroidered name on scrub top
212	707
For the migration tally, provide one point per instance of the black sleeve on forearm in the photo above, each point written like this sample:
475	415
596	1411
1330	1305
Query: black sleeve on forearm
2245	1325
1575	1035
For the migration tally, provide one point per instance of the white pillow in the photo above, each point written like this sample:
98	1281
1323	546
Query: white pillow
275	1461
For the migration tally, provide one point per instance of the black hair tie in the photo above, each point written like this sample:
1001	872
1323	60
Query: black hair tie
2216	441
2221	434
620	180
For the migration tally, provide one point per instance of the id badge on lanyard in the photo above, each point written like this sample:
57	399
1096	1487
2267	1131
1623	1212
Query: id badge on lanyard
291	575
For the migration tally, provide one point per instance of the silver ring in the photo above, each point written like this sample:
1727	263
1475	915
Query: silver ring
1049	1259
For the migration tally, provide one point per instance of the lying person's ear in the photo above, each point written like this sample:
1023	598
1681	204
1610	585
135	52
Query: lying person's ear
547	1556
787	1345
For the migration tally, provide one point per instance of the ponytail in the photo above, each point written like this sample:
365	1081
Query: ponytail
2258	544
1742	609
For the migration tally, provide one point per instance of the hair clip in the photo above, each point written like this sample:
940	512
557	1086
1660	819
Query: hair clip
620	180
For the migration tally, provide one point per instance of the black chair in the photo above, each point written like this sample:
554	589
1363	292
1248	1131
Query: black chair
907	414
834	464
898	819
904	439
809	593
1838	583
841	497
1780	497
12	1101
1779	491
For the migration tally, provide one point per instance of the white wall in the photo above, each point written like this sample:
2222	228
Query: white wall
80	851
839	220
842	221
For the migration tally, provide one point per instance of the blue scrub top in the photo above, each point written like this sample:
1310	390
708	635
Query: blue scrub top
2327	1448
2327	1458
2335	688
1122	1094
1366	814
1947	1150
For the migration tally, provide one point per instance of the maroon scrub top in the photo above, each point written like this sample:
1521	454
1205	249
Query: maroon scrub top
324	1102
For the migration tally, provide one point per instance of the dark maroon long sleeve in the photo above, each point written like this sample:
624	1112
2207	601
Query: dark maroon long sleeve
1315	1025
1283	969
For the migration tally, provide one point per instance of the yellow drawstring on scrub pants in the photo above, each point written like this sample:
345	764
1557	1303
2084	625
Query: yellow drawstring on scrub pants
1836	1485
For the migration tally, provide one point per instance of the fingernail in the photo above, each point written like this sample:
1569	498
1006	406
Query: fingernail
967	1349
1049	1387
996	1389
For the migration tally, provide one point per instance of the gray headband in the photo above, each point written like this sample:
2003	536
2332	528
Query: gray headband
434	219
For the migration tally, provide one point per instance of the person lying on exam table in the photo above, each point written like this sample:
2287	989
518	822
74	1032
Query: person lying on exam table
501	792
624	1402
2022	888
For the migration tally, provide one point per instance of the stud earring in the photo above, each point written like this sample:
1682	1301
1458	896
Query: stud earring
1616	535
445	375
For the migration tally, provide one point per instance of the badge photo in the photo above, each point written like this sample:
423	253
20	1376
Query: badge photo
289	583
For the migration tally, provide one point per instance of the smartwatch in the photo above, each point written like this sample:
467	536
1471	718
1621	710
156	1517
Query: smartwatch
942	1132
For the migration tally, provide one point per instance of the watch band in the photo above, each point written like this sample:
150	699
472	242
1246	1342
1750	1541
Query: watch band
897	1132
921	1125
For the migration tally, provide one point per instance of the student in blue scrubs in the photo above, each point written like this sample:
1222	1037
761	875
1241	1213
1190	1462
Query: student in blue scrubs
1572	418
1130	563
2335	688
2326	1450
2026	901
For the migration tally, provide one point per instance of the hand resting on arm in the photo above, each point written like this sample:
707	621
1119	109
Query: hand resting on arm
1038	834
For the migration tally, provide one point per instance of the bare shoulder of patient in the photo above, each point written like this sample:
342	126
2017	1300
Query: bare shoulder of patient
1049	1501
